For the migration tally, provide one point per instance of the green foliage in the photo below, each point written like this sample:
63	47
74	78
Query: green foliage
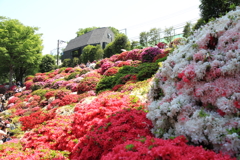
144	38
82	31
108	51
71	76
40	92
90	53
120	42
114	30
146	70
99	53
20	48
216	8
199	23
154	34
168	34
47	64
105	83
187	30
75	61
66	63
161	60
35	87
134	44
128	70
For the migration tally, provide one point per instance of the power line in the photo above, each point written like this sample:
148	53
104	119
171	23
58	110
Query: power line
162	18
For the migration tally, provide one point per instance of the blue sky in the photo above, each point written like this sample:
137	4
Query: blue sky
61	19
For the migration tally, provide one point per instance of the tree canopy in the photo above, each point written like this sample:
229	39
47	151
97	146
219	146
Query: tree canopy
20	48
82	31
47	64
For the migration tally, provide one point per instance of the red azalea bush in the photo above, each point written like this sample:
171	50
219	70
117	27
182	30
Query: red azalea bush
119	127
28	84
117	87
13	100
87	84
39	78
111	71
122	56
124	63
68	69
105	104
114	57
161	45
159	56
12	88
53	134
12	150
69	99
28	122
50	94
148	148
28	78
134	54
149	53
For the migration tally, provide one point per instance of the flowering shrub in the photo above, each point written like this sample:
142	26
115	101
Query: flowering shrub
121	126
87	84
154	148
28	78
161	45
149	53
123	63
134	54
53	134
13	150
114	57
105	104
28	122
106	65
111	71
196	91
159	56
122	56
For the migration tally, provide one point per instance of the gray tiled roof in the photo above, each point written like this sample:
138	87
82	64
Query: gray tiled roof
92	37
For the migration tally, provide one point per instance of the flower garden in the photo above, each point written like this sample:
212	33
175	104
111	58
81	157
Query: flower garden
151	103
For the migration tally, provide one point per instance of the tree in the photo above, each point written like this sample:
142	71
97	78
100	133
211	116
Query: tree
187	30
99	53
144	38
168	33
134	44
20	48
115	31
216	8
82	31
120	42
47	64
108	50
154	34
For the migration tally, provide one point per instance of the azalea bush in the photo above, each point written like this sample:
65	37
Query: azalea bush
196	91
87	84
118	128
149	53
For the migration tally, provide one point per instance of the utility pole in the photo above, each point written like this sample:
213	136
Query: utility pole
57	51
58	42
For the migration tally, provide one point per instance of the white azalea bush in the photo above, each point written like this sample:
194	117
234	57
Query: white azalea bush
196	92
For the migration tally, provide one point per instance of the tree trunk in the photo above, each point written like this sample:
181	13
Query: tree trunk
10	76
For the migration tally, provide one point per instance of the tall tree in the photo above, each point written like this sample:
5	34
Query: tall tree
144	38
20	48
216	8
154	35
47	63
187	30
168	34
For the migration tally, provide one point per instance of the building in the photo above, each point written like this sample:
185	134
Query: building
99	36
